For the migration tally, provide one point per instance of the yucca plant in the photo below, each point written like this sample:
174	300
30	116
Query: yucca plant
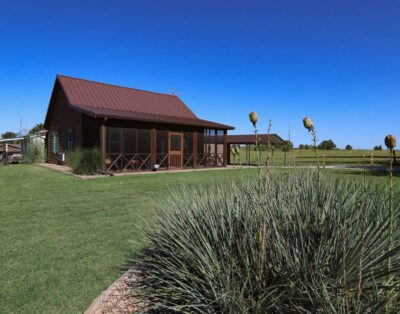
204	248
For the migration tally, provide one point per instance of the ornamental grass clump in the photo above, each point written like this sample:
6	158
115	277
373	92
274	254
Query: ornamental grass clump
204	248
85	161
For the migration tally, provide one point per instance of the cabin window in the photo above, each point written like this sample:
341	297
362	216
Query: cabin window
56	143
114	140
70	140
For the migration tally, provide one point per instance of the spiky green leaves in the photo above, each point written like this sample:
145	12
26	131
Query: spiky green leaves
206	248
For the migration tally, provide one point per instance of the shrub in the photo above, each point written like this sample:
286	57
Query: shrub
85	161
205	248
349	147
35	152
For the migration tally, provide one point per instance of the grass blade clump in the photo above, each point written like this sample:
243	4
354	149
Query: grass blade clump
204	252
85	161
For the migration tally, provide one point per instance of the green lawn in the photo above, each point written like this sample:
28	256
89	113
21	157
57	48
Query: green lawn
327	157
64	240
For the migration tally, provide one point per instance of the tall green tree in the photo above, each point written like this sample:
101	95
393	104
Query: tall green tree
38	127
8	134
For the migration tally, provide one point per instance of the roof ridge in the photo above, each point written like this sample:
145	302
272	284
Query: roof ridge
115	85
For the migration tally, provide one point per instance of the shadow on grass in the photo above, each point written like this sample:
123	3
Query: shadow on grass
367	172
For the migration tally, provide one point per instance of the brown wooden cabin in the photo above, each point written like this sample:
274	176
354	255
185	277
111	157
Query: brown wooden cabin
134	129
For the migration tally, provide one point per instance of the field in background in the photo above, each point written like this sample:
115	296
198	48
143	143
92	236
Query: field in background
300	157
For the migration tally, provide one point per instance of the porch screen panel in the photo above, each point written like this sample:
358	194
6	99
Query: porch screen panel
130	141
209	139
113	140
144	141
162	142
220	145
200	143
188	143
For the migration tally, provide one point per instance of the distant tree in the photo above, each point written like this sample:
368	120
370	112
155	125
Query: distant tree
327	145
301	146
8	134
38	127
378	147
287	146
349	147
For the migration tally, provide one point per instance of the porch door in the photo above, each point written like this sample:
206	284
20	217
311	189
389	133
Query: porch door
175	150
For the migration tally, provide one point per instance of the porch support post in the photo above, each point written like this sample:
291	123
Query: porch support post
247	154
153	146
226	151
103	132
195	149
216	144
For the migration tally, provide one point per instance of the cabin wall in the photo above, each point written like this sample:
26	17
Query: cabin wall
61	118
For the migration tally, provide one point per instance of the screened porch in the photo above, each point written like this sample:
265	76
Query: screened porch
146	149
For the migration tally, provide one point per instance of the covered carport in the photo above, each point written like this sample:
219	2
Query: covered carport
249	140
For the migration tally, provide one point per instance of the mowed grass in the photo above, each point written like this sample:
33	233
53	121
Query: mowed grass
307	157
64	240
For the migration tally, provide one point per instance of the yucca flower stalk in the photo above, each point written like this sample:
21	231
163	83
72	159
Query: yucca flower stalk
237	150
254	119
309	125
390	142
289	151
233	152
264	204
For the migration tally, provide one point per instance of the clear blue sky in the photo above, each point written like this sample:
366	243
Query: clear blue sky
335	61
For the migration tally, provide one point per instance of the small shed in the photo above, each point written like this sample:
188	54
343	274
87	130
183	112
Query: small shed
15	148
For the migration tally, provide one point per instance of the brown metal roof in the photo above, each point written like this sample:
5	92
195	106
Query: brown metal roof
12	148
250	139
106	100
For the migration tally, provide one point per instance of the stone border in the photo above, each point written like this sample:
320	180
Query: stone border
120	297
67	170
